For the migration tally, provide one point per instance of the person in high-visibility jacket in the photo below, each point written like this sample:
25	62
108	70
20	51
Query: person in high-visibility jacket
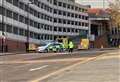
71	46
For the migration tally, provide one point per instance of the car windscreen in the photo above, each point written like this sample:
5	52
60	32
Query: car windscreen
43	44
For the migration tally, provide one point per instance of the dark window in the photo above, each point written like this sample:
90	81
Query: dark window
31	34
55	28
72	7
60	12
64	29
26	8
68	6
59	29
10	1
68	14
64	13
72	22
55	2
15	2
15	30
60	3
55	11
21	32
9	13
21	5
15	16
76	16
64	5
72	15
68	30
60	21
9	28
80	16
64	21
26	20
76	8
2	10
21	18
31	23
55	20
2	27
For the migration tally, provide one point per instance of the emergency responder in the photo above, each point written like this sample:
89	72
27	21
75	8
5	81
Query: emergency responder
71	46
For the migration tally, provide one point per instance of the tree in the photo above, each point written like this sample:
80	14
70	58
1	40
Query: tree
115	12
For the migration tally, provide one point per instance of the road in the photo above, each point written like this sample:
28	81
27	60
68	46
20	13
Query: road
37	67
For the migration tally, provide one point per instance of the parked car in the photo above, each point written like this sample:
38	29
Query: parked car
51	47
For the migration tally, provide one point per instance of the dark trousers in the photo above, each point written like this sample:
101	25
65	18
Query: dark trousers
70	49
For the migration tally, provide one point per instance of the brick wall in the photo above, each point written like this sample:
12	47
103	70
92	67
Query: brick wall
101	42
13	46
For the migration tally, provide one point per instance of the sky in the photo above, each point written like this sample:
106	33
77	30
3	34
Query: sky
95	3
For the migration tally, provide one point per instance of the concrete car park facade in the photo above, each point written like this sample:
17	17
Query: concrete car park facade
46	19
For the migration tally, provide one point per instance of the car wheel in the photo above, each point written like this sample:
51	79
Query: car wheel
46	51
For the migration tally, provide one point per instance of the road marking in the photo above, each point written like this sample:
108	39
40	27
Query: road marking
64	69
35	69
67	68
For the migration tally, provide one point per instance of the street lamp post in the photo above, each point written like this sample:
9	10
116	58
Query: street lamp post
28	33
3	34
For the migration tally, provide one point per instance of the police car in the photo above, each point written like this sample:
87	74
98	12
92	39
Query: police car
51	47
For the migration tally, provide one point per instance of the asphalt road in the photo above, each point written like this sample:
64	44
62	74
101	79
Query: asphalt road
29	67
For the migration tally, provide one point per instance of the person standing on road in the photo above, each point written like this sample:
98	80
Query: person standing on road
71	46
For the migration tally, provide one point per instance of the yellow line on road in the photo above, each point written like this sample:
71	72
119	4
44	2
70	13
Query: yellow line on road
66	68
70	67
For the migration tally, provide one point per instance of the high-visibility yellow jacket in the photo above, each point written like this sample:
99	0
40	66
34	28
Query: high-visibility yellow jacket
71	45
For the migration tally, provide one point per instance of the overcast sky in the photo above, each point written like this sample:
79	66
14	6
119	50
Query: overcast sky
95	3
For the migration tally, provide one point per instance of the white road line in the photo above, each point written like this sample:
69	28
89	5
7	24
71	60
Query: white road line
34	69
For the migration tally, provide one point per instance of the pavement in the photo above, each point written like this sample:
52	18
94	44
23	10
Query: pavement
16	53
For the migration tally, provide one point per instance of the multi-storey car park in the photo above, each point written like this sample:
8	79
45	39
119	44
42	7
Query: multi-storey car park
39	21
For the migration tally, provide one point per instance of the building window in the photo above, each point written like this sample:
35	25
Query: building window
15	16
15	30
64	21
55	11
21	32
2	27
9	28
2	10
64	29
31	34
9	13
10	1
68	6
60	3
64	5
15	2
55	20
55	28
55	2
72	15
60	21
72	7
60	12
68	30
21	18
68	14
21	5
60	29
64	13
